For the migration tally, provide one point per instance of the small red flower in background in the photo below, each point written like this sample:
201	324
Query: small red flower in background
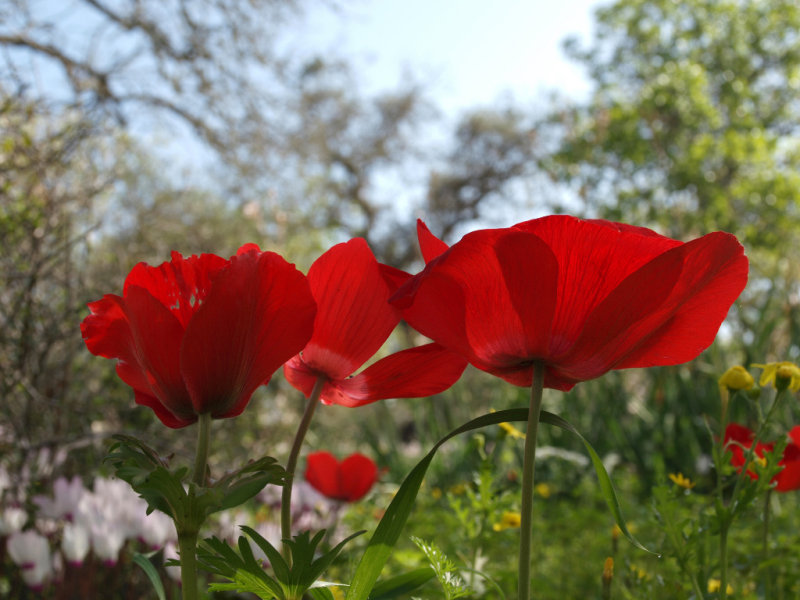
739	438
348	480
354	319
582	297
198	335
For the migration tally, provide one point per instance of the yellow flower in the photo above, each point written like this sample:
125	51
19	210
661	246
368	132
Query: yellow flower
714	585
436	493
638	572
543	490
336	592
781	375
681	481
616	531
509	520
458	489
512	431
737	378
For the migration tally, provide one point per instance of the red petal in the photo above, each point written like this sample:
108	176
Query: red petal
714	274
145	337
299	375
413	373
165	416
620	323
593	257
789	477
357	474
794	435
354	317
181	284
322	472
530	274
490	298
429	244
393	277
742	438
258	314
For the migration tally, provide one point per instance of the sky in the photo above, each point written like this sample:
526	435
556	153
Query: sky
469	52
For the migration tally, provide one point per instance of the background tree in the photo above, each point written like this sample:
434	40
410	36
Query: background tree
693	124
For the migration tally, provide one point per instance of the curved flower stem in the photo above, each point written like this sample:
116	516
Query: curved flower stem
291	465
524	584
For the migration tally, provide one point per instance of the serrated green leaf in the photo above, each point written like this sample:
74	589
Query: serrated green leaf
246	581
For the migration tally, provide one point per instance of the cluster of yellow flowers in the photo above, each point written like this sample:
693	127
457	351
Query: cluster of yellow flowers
780	375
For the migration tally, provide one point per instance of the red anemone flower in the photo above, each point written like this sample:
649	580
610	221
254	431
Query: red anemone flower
354	319
348	480
739	438
198	335
581	297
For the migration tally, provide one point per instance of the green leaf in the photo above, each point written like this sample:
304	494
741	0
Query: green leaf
239	486
246	574
320	594
606	485
391	525
400	585
152	574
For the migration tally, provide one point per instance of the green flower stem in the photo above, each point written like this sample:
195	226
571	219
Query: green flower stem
723	560
291	464
187	533
765	546
203	442
526	525
187	548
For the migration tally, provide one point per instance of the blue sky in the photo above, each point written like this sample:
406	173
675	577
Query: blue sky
470	52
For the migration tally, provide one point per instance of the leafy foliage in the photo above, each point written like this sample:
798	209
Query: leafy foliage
692	125
292	577
164	488
445	570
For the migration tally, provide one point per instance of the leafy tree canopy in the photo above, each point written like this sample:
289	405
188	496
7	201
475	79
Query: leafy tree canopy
693	125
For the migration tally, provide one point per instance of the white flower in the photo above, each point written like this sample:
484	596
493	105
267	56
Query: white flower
12	519
67	495
156	529
75	543
30	552
171	552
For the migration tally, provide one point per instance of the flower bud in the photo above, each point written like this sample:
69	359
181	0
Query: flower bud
737	378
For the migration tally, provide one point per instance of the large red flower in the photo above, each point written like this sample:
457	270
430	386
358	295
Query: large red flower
353	321
581	297
198	335
348	480
739	438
